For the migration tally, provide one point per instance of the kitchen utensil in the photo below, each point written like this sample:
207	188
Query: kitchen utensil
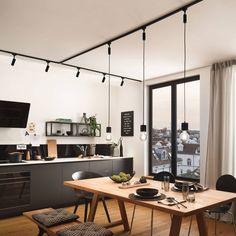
15	157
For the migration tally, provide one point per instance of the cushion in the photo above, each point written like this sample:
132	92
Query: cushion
86	229
54	217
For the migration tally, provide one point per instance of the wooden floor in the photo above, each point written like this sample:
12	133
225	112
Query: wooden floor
20	226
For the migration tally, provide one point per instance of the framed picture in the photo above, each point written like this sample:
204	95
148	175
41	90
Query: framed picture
127	123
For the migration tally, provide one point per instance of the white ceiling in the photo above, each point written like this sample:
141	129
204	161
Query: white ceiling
57	29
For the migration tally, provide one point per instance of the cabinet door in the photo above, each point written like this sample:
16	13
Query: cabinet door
45	185
124	165
103	168
68	195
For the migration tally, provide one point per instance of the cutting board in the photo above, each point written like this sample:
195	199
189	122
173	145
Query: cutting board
52	147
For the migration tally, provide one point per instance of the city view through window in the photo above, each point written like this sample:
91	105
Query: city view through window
187	153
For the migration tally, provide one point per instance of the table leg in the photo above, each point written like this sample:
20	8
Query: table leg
93	207
201	224
175	225
123	215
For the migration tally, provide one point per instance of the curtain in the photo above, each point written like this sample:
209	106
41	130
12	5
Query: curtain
221	145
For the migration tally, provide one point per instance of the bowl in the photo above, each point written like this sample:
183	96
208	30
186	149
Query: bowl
122	177
49	158
180	183
147	192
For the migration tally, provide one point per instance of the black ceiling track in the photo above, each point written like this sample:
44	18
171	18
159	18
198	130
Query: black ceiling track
185	7
69	65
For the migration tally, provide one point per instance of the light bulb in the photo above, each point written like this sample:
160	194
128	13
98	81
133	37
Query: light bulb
143	136
184	136
108	137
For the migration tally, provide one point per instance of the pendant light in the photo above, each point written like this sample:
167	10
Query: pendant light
184	136
143	128
108	128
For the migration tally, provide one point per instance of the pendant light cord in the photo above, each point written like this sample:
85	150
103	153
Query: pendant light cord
144	39
109	83
185	59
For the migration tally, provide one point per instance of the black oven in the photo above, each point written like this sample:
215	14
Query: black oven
14	189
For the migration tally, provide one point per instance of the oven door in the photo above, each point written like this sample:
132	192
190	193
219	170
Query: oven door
14	189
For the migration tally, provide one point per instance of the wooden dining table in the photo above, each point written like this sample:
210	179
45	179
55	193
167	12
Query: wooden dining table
105	186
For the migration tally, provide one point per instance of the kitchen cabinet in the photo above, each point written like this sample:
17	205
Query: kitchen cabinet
103	167
46	181
71	129
45	188
68	196
125	165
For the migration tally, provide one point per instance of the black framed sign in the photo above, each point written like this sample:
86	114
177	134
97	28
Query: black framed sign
127	123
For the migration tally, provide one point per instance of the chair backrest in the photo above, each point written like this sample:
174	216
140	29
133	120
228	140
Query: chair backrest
85	175
160	176
226	183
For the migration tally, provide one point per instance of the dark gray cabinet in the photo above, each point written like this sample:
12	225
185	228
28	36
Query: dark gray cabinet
125	165
45	182
103	167
67	196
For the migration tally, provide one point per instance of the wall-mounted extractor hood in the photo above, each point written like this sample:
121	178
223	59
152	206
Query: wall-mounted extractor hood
14	114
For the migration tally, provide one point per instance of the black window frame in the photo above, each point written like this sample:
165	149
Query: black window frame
173	84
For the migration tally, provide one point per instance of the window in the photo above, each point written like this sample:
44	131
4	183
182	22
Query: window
166	151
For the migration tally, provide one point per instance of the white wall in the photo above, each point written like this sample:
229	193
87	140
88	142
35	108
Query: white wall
59	94
204	105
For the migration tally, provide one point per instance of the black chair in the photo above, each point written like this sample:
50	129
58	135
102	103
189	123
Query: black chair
86	197
225	183
158	177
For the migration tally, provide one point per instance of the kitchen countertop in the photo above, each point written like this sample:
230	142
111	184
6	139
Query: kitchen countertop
63	160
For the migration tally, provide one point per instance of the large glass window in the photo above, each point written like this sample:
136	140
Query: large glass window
167	151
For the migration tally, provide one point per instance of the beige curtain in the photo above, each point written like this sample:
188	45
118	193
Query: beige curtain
221	156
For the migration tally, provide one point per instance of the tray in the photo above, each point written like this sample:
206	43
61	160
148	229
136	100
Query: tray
133	185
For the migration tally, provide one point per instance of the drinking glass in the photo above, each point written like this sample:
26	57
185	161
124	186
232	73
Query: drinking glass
166	183
185	191
191	196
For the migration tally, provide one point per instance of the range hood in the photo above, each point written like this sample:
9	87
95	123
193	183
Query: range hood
14	114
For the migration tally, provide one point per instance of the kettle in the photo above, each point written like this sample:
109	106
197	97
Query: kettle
15	157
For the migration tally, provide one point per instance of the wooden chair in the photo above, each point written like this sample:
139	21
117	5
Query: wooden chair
86	197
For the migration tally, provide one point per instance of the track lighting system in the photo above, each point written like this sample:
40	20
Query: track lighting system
78	72
63	64
13	60
122	82
104	78
47	67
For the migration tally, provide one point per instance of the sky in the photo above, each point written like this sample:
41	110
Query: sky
162	106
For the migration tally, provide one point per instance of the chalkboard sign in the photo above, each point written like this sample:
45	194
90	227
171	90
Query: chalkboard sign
127	123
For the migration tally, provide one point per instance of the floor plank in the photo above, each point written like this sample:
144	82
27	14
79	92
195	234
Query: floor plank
18	226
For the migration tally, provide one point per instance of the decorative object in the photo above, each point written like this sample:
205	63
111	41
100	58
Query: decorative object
143	128
122	177
93	125
184	136
127	123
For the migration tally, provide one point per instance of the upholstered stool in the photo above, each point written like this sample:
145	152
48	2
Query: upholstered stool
54	217
86	229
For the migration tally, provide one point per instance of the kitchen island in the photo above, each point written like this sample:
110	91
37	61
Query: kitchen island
37	184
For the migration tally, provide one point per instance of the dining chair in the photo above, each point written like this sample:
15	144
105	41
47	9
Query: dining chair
86	197
157	177
225	183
